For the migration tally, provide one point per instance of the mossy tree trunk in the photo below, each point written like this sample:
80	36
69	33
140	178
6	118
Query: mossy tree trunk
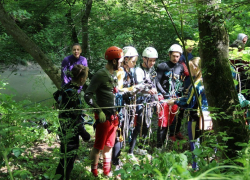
85	20
218	82
72	27
46	64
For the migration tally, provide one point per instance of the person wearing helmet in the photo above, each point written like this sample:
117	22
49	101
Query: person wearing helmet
125	73
240	42
100	94
169	78
126	82
144	79
170	69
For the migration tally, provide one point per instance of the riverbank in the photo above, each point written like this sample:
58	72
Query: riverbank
27	83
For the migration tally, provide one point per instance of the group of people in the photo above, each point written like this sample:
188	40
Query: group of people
143	90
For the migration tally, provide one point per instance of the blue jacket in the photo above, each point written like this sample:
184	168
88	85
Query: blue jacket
190	101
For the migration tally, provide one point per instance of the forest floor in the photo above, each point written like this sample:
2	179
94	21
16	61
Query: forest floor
42	158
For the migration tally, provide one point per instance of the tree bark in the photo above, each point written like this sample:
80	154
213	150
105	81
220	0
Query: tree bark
47	65
72	27
218	82
85	20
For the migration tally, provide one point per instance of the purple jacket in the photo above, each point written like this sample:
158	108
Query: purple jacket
67	64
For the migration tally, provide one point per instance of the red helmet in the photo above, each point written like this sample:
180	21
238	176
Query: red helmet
113	52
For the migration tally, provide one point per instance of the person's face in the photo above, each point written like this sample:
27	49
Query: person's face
131	62
174	57
244	40
76	51
149	61
189	50
117	64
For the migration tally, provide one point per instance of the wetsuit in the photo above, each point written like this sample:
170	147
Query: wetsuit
167	88
165	71
143	75
71	126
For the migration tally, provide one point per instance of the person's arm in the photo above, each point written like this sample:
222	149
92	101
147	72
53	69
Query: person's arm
185	69
84	61
64	70
160	72
91	91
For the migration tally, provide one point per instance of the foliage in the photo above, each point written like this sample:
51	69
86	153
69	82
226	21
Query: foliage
113	22
165	165
20	129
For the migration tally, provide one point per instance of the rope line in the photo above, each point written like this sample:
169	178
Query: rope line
85	109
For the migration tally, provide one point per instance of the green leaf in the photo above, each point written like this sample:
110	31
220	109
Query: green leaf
197	151
17	151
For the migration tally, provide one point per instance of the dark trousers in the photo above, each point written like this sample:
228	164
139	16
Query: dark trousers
137	130
116	152
161	136
69	138
69	155
176	124
193	118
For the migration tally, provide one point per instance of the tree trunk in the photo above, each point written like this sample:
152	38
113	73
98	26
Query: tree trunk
72	27
47	65
85	20
218	82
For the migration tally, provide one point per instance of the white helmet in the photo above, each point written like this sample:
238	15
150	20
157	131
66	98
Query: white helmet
176	48
150	52
129	51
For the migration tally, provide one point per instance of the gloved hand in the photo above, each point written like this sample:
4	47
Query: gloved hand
102	117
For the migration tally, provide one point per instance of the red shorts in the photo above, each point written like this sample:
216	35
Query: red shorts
105	135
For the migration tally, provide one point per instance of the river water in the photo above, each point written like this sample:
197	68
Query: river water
27	83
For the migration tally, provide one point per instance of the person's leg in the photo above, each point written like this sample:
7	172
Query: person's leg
161	136
136	131
68	146
116	152
178	125
144	134
94	157
70	164
172	127
117	147
107	152
193	132
66	163
100	138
